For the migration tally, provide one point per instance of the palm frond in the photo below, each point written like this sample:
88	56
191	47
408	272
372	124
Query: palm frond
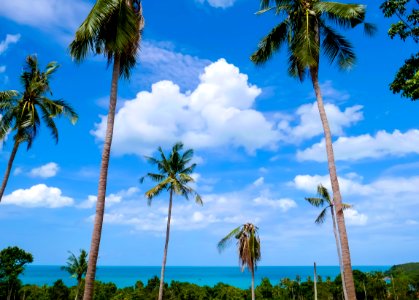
225	241
336	46
324	193
270	44
317	202
344	15
322	216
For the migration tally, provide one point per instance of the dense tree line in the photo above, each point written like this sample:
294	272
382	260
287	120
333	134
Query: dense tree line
368	286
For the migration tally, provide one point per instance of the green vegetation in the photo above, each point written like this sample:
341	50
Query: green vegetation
22	112
77	267
12	264
112	28
248	246
174	175
406	80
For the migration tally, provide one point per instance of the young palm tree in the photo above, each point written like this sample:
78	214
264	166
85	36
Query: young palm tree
324	199
112	28
248	244
306	28
77	267
174	174
22	112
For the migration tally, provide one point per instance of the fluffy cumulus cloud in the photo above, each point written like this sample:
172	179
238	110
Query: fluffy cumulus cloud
46	171
10	39
353	217
162	62
218	3
218	113
308	123
111	199
383	144
38	196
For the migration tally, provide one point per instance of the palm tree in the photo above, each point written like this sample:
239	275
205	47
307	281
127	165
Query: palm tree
174	174
22	112
248	244
77	267
306	28
112	28
324	199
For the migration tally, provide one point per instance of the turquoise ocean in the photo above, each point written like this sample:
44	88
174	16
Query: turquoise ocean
124	276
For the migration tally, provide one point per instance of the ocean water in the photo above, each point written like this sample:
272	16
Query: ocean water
124	276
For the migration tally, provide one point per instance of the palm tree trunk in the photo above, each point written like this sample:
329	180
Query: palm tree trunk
166	246
9	168
253	284
337	198
315	281
335	232
103	176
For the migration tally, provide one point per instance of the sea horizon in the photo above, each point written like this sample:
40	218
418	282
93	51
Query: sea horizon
125	276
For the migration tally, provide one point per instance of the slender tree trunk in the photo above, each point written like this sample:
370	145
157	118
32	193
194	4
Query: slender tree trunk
337	198
166	246
315	282
253	284
335	232
9	168
78	289
103	176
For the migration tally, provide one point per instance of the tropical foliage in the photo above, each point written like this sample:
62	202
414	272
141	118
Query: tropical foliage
306	28
174	175
77	267
113	28
406	12
23	113
248	246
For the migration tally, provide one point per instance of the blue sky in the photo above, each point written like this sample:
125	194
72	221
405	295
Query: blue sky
255	131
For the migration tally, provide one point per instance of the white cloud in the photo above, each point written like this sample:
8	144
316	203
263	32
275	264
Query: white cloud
164	63
45	171
219	3
218	113
330	93
59	17
38	196
309	124
383	144
2	69
10	39
353	217
258	182
111	199
17	171
283	204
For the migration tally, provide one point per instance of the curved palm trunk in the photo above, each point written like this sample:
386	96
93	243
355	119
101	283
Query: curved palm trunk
337	198
78	289
315	281
335	232
166	246
100	204
253	284
9	168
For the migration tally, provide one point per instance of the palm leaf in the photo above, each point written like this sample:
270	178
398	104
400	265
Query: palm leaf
317	202
225	241
336	46
322	216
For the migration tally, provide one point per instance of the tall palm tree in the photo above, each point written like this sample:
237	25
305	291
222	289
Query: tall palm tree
22	113
112	28
306	28
77	267
248	245
320	201
174	175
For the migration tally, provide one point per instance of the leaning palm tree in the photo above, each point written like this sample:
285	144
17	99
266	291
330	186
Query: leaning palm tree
77	268
174	175
22	113
248	244
324	199
306	28
112	28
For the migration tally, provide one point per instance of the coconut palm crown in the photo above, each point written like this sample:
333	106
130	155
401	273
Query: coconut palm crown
24	112
248	246
174	175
